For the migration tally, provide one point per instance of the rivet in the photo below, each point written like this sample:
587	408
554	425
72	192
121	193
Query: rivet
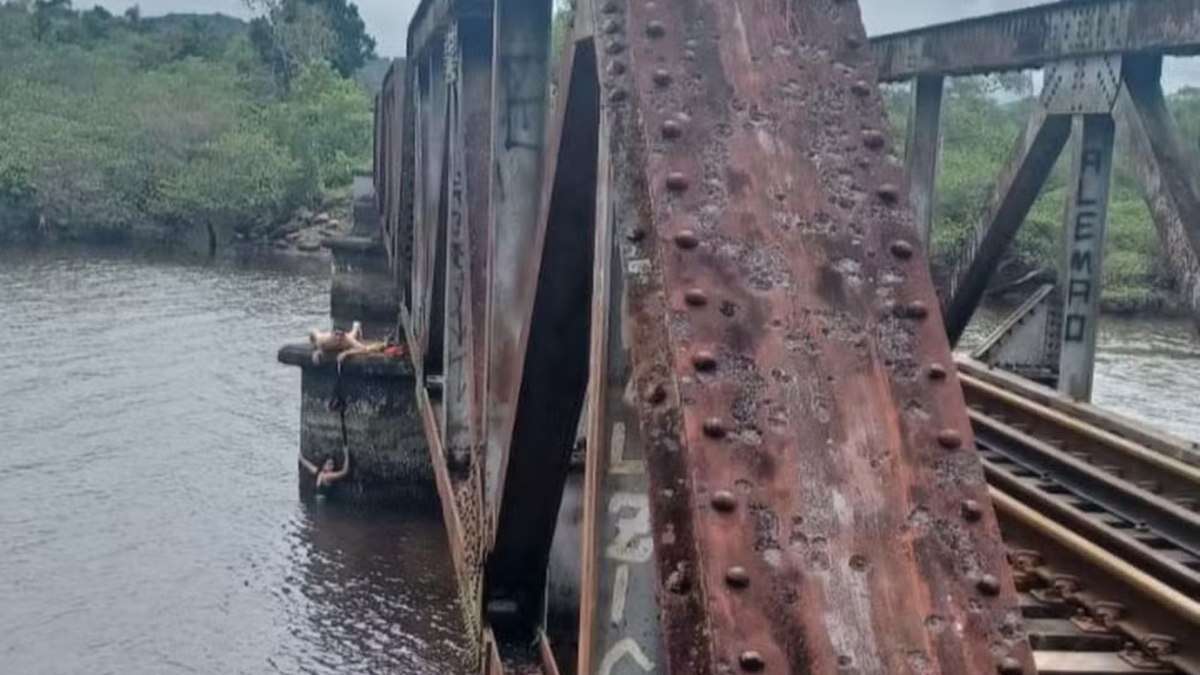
988	585
737	577
1009	666
617	95
888	193
686	240
724	501
672	129
858	562
916	310
677	181
661	77
873	139
704	361
610	26
714	428
901	249
937	371
656	29
861	88
635	234
615	47
853	42
654	394
609	7
950	439
695	297
971	510
751	661
616	68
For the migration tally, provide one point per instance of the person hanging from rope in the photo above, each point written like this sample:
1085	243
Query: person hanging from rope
326	473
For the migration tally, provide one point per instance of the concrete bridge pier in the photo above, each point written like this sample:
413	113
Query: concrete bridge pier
373	399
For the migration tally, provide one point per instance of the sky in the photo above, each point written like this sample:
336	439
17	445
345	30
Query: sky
386	19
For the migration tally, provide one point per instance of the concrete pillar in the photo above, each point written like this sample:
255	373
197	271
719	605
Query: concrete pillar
389	457
1086	220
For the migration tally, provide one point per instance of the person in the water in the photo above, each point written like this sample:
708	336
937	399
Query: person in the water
326	475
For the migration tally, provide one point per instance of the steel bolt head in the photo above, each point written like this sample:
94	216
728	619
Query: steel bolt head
737	577
751	661
695	297
988	584
686	240
617	95
950	439
610	26
861	88
704	361
916	310
614	47
616	68
937	371
901	249
656	29
972	511
635	234
724	501
888	193
677	181
672	129
873	140
661	77
714	427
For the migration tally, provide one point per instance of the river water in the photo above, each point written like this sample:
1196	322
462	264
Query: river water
149	518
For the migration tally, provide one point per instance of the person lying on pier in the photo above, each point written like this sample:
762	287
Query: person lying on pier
326	475
343	343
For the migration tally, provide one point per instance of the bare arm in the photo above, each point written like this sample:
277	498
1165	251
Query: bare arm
340	473
312	468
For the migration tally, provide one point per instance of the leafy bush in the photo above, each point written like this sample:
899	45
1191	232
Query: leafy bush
112	128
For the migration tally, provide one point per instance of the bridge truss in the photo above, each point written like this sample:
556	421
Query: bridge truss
681	366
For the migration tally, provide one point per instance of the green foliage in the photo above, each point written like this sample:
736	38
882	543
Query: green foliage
291	35
981	119
161	127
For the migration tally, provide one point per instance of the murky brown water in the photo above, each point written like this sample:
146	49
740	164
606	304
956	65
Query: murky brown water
149	518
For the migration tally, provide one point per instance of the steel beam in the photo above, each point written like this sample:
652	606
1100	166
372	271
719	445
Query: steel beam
1031	162
922	150
520	99
1083	263
806	474
1167	169
1030	38
554	373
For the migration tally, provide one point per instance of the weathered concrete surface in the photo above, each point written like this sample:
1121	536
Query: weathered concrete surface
388	453
361	287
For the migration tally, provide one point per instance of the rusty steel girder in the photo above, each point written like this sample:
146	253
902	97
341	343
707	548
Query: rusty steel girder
721	277
810	492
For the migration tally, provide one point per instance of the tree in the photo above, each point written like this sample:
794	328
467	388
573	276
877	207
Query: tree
291	34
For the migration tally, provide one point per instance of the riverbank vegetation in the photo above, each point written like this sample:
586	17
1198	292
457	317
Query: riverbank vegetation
115	128
982	117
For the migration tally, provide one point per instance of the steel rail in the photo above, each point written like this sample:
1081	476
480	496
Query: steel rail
1144	465
1169	520
1163	614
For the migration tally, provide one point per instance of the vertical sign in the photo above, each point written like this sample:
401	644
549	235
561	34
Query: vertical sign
1087	214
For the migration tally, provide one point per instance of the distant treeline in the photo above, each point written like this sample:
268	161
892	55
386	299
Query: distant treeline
981	120
121	127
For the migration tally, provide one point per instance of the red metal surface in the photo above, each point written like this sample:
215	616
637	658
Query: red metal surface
807	475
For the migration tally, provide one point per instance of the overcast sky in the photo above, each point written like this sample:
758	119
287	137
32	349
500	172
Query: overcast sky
386	19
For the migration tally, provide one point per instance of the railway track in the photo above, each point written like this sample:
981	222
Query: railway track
1103	530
